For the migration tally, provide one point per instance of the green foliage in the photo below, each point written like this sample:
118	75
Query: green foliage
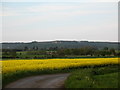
87	51
97	77
9	53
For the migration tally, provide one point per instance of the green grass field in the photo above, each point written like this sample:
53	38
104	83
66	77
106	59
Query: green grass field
98	77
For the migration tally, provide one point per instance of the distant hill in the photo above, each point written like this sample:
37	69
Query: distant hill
60	44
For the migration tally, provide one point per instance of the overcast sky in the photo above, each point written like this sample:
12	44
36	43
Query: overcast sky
43	21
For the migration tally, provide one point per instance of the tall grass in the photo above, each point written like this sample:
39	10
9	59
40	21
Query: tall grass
102	77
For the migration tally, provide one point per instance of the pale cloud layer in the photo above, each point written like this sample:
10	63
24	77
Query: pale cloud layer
59	0
61	21
0	24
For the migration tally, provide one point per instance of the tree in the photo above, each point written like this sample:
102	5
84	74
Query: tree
76	51
25	48
112	51
68	51
13	54
61	52
88	50
105	48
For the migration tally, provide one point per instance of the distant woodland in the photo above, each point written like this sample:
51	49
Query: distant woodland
59	49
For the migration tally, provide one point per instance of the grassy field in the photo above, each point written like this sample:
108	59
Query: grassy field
16	69
98	77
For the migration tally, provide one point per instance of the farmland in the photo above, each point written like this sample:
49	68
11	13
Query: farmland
16	69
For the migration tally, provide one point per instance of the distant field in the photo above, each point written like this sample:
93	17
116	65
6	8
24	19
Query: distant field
15	69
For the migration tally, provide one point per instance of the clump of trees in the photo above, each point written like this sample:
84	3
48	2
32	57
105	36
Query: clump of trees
9	53
59	52
88	51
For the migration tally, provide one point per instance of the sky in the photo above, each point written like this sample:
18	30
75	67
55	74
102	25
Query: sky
48	21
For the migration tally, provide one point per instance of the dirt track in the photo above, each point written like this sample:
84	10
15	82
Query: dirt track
42	81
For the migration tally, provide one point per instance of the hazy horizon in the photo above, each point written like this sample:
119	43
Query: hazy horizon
54	40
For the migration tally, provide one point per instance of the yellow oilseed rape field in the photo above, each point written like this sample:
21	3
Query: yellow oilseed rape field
15	69
10	66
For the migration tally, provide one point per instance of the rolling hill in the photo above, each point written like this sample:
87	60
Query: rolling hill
59	44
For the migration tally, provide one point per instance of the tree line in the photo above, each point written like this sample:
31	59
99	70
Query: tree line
59	52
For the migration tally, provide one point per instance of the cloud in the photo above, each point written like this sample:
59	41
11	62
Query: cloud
51	8
59	0
86	31
36	14
8	14
8	11
51	16
86	21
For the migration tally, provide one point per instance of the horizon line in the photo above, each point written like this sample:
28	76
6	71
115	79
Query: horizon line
56	40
